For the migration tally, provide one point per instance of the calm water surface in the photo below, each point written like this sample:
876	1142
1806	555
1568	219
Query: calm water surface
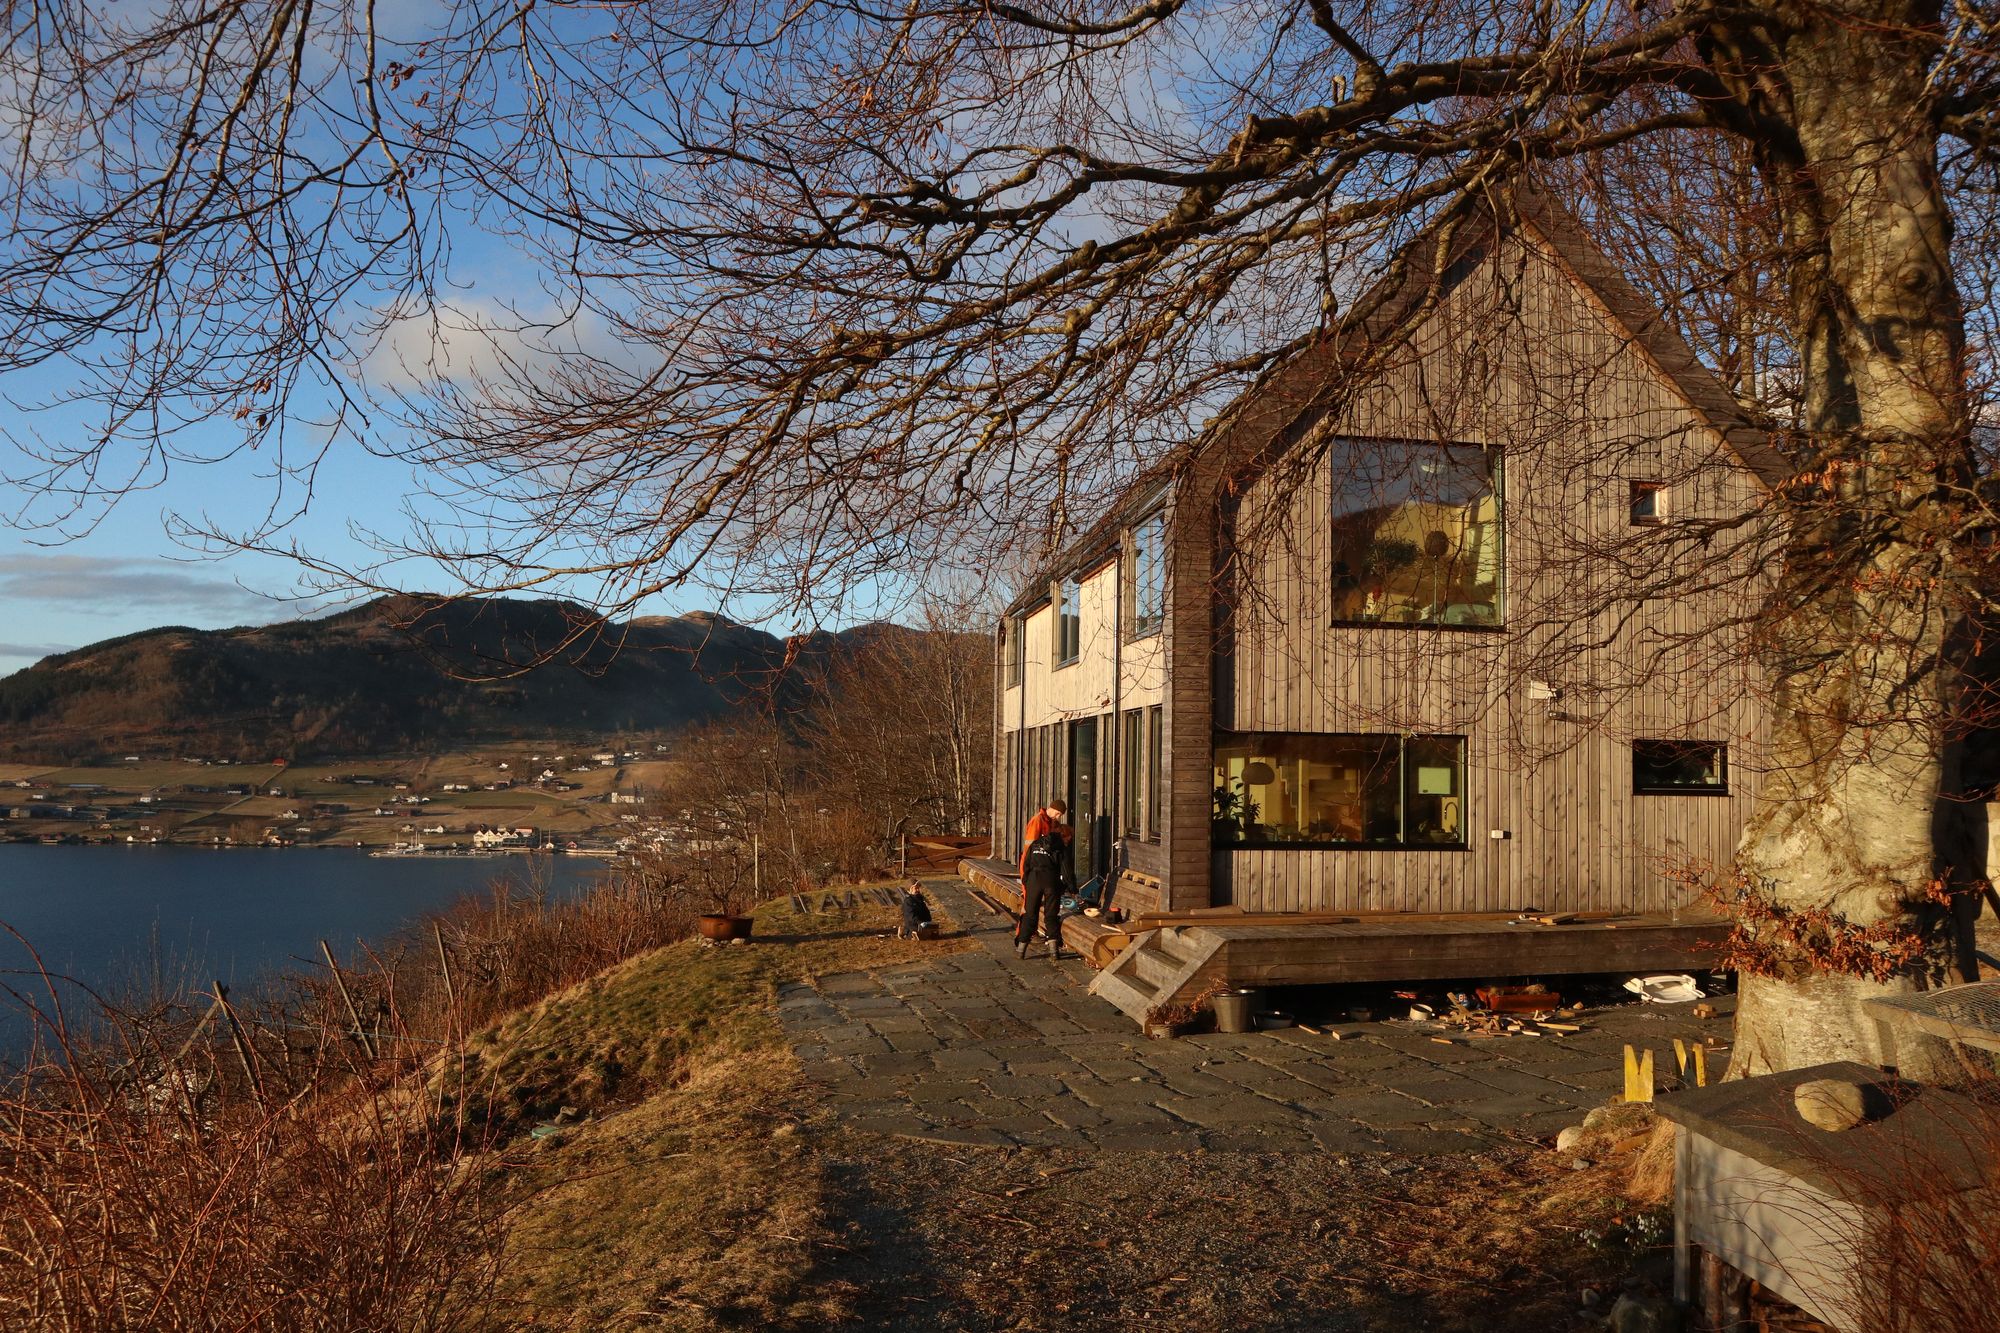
109	916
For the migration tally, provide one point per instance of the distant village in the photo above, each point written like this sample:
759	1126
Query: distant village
590	799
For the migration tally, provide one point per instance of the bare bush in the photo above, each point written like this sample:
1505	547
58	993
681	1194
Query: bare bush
141	1191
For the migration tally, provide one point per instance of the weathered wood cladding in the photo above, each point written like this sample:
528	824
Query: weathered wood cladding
1611	630
1632	628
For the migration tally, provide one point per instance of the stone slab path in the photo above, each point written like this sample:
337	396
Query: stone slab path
979	1047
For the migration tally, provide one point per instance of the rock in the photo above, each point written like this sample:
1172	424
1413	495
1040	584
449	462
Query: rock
1572	1138
784	1131
1643	1314
1589	1296
1581	1164
1831	1104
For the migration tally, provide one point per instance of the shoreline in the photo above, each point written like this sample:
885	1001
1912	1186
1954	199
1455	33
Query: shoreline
371	850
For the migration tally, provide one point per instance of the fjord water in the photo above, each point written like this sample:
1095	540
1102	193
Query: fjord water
124	917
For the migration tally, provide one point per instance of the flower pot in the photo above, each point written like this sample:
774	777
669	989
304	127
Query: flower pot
1232	1011
719	927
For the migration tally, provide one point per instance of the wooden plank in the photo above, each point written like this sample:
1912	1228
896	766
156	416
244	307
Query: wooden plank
1388	951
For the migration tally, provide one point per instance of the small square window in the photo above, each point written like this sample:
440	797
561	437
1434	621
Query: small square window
1649	503
1670	768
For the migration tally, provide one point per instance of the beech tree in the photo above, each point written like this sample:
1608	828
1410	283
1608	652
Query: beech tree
822	293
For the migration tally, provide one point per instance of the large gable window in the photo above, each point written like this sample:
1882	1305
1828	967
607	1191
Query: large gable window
1310	790
1417	534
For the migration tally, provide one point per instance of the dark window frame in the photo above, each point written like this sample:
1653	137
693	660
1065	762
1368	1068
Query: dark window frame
1498	459
1155	771
1403	779
1016	649
1148	575
1132	773
1066	623
1656	491
1718	788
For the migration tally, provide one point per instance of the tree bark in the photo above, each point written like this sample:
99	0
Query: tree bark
1859	650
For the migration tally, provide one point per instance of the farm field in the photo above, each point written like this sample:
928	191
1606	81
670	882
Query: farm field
156	797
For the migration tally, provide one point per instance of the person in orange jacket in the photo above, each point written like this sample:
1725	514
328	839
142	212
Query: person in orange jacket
1044	875
1049	817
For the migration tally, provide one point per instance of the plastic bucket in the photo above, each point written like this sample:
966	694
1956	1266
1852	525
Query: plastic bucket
1232	1011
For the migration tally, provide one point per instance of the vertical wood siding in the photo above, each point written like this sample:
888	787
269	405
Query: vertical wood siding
1521	358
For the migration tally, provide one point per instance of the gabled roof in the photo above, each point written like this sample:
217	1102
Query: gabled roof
1293	394
1651	331
1101	539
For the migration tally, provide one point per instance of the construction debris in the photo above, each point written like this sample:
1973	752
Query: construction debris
1478	1024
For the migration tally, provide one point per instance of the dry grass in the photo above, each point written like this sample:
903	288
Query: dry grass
678	1197
164	1178
636	1026
695	1208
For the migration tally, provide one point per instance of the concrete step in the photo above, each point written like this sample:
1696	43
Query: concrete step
1131	996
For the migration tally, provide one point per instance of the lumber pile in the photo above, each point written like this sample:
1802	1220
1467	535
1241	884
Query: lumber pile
1461	1021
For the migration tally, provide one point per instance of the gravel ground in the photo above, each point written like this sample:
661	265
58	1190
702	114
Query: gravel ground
932	1237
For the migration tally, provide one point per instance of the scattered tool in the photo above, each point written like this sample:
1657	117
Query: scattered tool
1638	1075
1690	1064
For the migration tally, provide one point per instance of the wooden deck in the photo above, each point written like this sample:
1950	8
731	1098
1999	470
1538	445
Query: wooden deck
1158	959
1178	962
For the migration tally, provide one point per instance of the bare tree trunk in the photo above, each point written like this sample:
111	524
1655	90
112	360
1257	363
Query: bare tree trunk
1860	648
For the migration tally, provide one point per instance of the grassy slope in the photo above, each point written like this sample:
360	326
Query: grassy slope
683	1198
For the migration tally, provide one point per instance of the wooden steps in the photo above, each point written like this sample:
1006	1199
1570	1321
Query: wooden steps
1158	966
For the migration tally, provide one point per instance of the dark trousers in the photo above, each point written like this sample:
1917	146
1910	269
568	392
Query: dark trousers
1038	895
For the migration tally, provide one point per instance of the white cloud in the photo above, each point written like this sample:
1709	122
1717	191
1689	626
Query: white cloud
118	586
484	339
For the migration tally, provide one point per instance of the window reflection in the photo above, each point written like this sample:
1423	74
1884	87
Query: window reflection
1667	766
1307	790
1417	535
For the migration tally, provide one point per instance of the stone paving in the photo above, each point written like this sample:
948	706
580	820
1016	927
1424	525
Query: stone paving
979	1047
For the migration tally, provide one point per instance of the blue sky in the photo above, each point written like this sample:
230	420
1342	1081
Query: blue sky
130	572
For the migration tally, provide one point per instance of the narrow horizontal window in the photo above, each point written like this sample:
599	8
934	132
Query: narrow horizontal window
1310	790
1680	768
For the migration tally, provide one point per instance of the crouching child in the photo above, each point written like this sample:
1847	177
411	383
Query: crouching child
917	923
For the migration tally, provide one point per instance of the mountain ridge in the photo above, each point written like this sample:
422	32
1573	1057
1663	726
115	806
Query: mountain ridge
398	673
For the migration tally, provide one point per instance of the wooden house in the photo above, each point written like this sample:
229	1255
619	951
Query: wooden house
1442	621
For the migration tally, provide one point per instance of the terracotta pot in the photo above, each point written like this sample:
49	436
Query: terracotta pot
720	927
